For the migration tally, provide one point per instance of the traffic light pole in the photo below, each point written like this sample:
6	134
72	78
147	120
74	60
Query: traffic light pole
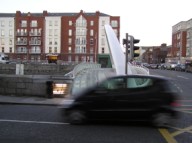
126	53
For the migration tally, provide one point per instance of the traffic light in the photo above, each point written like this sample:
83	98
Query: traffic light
134	49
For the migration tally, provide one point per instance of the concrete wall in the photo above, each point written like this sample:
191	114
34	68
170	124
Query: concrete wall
37	69
28	85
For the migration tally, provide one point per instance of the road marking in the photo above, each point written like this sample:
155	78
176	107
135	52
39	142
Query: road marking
180	131
182	77
168	137
36	122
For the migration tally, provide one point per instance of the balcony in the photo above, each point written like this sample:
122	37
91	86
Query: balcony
35	42
21	50
34	34
21	34
35	51
21	42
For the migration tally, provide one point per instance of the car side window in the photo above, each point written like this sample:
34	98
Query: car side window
139	82
114	83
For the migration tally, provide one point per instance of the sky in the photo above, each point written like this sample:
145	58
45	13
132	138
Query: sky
150	21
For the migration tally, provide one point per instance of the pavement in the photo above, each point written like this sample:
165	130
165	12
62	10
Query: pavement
26	100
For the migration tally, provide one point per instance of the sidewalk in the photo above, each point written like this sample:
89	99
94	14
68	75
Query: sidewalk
8	99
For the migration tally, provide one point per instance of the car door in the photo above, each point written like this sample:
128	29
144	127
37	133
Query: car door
133	101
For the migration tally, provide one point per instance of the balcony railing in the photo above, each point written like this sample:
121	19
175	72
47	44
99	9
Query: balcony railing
22	34
21	43
35	51
21	51
34	34
35	42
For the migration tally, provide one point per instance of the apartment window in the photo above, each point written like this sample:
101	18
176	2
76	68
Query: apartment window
91	50
10	50
70	32
91	22
50	32
23	23
10	32
103	23
10	41
50	23
102	41
55	49
2	33
55	42
103	32
10	23
114	23
2	41
70	23
50	41
56	32
91	32
34	23
70	41
91	41
2	23
50	49
103	51
3	50
69	50
56	23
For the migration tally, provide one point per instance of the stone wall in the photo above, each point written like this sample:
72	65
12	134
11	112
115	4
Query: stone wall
29	85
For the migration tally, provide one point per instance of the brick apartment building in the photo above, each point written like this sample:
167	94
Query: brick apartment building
71	36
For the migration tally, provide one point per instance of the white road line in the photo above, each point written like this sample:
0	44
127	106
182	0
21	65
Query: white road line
36	122
182	77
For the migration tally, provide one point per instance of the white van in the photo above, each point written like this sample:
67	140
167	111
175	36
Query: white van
4	59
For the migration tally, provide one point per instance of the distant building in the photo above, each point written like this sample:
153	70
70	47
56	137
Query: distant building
74	37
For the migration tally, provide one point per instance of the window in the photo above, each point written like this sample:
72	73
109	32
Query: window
91	50
2	23
3	50
69	58
10	32
2	32
2	41
70	32
10	41
10	49
114	23
102	41
10	23
56	23
103	50
55	49
70	23
91	32
69	50
91	22
56	32
50	41
23	23
34	23
115	83
70	41
55	41
91	41
50	49
139	82
50	32
50	23
103	23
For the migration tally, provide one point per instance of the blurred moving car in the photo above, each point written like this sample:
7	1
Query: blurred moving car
180	67
130	97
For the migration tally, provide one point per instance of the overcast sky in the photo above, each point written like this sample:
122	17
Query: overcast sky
150	21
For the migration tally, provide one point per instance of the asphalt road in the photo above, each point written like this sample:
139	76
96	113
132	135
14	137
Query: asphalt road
44	124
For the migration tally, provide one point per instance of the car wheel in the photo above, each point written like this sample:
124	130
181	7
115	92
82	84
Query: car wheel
76	117
161	120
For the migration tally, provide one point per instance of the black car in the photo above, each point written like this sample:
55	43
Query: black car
128	97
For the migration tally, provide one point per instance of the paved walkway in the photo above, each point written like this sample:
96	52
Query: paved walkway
7	99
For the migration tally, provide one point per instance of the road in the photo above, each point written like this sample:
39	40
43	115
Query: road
44	124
